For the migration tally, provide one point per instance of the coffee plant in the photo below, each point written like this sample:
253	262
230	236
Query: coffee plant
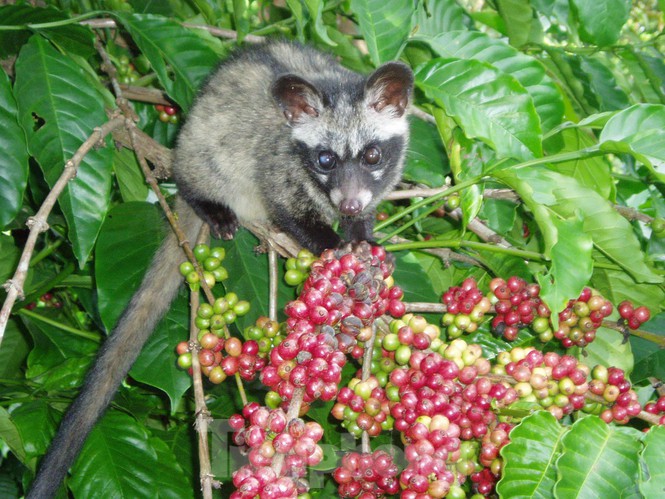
502	336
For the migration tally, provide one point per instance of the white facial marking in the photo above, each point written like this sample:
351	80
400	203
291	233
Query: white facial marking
377	174
336	196
365	197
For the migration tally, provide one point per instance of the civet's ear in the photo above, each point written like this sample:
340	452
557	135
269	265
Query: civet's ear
389	88
297	98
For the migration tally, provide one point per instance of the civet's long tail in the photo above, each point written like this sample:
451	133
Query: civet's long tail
116	356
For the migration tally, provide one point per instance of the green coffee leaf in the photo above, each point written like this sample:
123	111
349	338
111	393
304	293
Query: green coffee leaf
156	365
426	161
530	457
487	104
591	441
544	190
640	131
117	460
517	16
600	21
71	37
653	473
36	423
440	16
14	157
181	59
129	238
385	26
59	110
527	70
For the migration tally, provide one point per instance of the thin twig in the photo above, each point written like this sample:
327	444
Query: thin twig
366	373
445	254
108	23
38	223
202	413
274	283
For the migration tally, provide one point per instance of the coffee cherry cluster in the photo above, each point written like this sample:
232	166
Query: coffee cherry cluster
431	444
297	269
127	73
619	401
451	384
408	334
267	435
210	260
466	307
657	408
517	304
47	300
581	318
167	114
267	334
631	316
344	292
485	480
363	406
556	382
240	357
367	475
223	312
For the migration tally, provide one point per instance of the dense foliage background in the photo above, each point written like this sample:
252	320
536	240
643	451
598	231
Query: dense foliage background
547	117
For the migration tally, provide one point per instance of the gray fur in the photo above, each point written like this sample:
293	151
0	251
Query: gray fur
244	154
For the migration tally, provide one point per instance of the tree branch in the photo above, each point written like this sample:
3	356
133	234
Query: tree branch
38	223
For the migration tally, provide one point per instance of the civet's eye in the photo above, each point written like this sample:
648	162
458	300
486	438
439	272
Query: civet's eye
372	155
327	160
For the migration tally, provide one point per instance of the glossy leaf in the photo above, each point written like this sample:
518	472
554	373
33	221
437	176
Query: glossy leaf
487	104
14	350
36	423
169	477
156	365
609	349
517	16
527	70
592	173
426	161
385	26
413	279
58	357
130	178
609	94
590	441
118	454
130	236
11	436
530	457
571	262
600	21
611	233
58	110
14	157
10	257
315	8
617	286
653	472
71	37
640	131
171	47
440	16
